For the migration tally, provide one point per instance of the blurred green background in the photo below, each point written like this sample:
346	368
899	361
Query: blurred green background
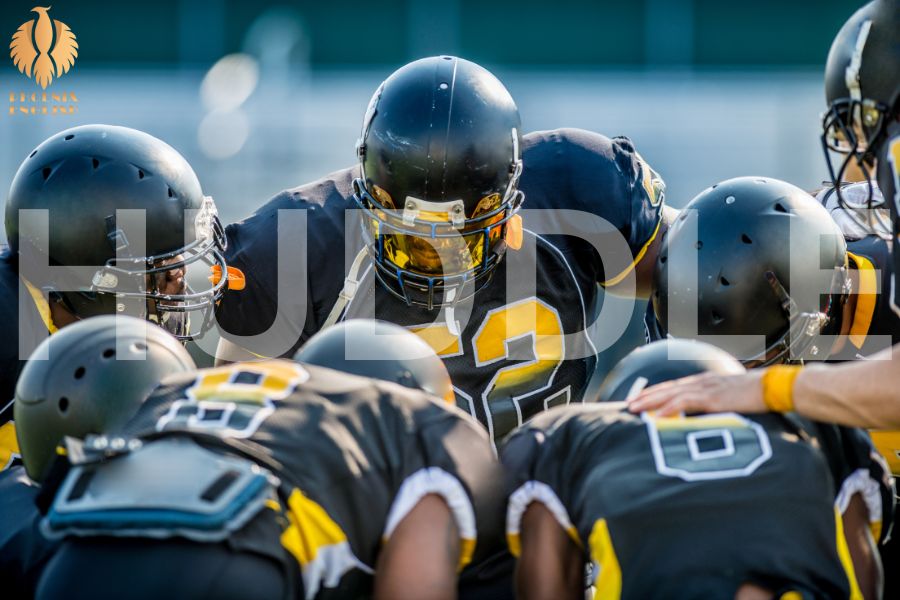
626	34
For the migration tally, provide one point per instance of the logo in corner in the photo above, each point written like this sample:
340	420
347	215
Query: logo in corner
43	48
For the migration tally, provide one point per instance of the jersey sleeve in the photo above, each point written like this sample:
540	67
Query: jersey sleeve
250	312
858	468
537	469
450	455
606	177
310	262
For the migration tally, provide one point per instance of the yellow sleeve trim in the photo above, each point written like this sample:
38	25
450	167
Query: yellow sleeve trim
843	551
618	278
866	297
42	306
778	387
608	585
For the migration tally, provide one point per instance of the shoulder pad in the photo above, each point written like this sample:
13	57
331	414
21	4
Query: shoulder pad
167	488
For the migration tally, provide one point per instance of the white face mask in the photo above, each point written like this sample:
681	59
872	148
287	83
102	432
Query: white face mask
854	218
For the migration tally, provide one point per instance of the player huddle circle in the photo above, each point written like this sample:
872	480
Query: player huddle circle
422	424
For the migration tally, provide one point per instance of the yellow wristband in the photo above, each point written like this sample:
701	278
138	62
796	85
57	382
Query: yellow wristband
778	387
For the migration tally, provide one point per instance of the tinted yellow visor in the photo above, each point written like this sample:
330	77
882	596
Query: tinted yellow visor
452	252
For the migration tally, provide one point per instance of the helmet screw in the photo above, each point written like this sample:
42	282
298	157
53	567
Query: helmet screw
120	307
457	210
117	443
410	205
729	200
100	443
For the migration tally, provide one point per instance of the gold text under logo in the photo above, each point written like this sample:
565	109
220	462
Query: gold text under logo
43	48
42	103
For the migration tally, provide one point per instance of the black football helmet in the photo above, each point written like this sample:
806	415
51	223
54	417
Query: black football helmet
664	360
440	164
81	177
403	357
89	378
861	89
745	229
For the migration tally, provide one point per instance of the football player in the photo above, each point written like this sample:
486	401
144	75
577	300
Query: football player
274	479
61	220
862	92
717	506
740	237
436	242
49	406
862	83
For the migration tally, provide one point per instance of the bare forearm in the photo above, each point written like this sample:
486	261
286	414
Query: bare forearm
864	393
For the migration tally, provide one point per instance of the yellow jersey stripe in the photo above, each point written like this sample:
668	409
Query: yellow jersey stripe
618	278
608	585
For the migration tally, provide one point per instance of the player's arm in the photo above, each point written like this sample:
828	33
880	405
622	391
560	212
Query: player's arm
856	394
550	564
863	553
420	558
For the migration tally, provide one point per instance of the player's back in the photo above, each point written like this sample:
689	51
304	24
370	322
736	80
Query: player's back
688	507
354	456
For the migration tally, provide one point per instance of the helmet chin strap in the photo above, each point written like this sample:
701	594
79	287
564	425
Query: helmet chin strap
7	406
450	312
351	285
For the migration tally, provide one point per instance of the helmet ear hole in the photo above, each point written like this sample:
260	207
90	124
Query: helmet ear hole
63	405
109	353
779	207
79	372
746	238
724	281
717	319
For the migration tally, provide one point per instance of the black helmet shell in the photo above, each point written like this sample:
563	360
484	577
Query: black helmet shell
665	360
745	229
403	357
89	378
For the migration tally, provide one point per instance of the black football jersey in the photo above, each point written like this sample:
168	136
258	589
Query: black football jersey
23	549
514	349
694	507
604	178
356	456
22	328
889	184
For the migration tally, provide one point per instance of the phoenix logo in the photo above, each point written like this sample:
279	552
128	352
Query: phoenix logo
43	48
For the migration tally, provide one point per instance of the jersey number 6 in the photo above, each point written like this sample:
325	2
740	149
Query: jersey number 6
716	446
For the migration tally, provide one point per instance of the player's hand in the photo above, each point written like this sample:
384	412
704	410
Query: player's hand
704	393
